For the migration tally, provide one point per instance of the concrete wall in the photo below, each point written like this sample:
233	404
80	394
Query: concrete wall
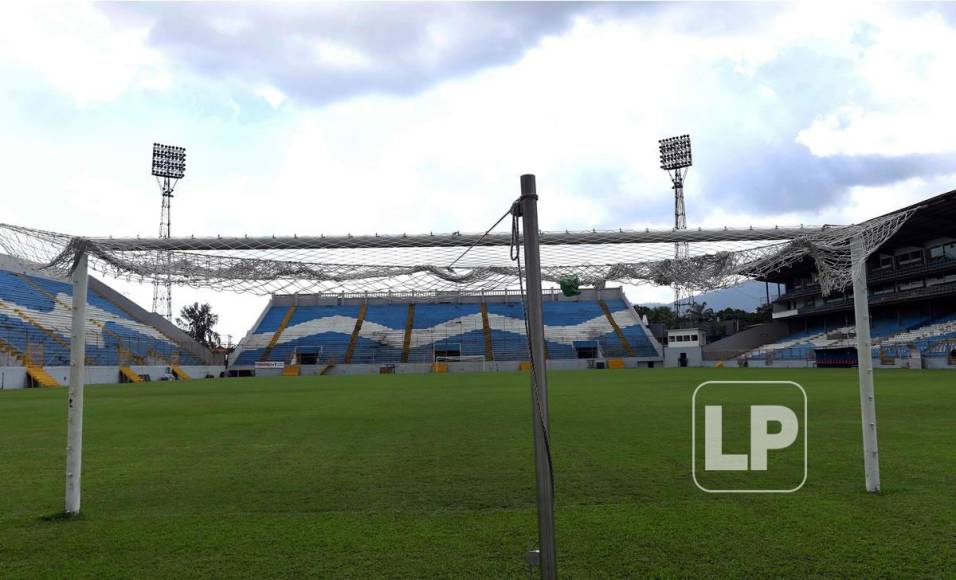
745	340
16	377
672	356
777	364
453	367
937	362
13	377
903	363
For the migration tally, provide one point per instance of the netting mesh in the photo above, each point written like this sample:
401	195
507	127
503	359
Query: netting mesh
456	262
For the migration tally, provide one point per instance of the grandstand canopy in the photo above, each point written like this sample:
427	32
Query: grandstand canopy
932	217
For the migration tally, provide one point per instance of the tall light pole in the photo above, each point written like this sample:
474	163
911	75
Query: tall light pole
169	166
675	159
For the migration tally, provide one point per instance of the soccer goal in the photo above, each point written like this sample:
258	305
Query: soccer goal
510	254
464	358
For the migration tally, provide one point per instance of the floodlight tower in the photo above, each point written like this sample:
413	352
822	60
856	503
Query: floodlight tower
675	159
169	166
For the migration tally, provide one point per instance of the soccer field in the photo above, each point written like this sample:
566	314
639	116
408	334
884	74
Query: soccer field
432	476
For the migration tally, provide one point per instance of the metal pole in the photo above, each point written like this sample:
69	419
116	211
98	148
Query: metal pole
454	240
681	249
871	457
74	428
528	206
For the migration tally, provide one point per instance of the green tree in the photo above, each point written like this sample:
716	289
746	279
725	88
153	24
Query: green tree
706	318
198	321
698	312
657	315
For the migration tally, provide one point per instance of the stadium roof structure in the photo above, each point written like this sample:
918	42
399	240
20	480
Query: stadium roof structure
927	218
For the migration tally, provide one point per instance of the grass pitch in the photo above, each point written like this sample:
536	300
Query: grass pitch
431	476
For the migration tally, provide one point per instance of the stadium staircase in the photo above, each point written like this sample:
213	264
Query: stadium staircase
53	336
35	371
329	365
130	375
10	350
363	309
179	373
52	297
60	347
40	376
407	340
124	353
278	333
486	331
617	328
291	371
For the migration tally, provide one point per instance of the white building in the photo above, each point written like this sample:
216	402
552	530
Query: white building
683	347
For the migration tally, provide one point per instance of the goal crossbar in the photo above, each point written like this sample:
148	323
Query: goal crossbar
567	238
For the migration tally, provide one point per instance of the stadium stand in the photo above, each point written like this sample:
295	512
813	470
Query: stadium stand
423	328
35	322
912	296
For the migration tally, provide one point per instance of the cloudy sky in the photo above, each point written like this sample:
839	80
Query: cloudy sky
361	118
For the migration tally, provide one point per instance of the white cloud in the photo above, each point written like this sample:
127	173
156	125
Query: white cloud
907	82
868	202
272	95
339	55
77	50
582	110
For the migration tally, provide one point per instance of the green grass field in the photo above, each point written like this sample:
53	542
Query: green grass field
432	476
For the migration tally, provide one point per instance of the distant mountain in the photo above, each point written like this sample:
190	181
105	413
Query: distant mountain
747	296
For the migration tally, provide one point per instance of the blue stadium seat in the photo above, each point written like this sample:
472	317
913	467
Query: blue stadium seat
449	328
31	319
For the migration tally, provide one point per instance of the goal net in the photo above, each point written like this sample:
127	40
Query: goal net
462	358
457	262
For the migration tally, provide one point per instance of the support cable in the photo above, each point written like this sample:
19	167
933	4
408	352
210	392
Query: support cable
479	240
515	253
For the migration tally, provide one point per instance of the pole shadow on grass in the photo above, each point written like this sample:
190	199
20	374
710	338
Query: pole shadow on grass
62	517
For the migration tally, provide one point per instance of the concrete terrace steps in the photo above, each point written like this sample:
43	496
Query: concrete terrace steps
363	310
41	377
617	329
278	333
130	375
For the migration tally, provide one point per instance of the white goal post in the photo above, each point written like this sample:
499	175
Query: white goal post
464	262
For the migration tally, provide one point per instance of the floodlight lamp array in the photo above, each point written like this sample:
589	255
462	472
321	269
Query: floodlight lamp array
675	152
169	161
